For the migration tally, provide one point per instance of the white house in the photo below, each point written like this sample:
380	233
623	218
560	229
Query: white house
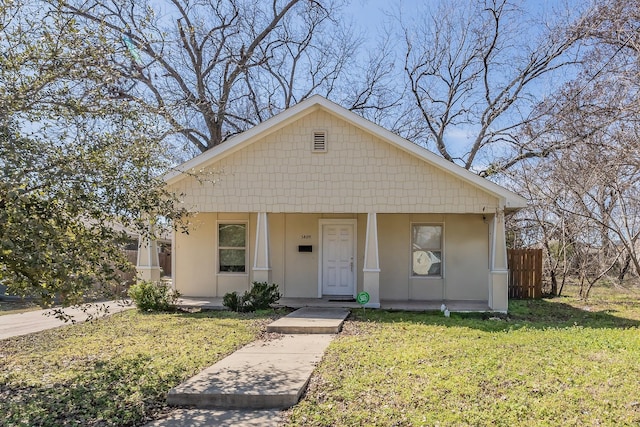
327	204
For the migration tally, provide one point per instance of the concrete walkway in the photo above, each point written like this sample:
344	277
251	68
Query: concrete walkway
220	417
13	325
248	387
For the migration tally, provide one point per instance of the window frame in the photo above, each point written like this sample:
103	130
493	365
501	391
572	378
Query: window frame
412	274
245	247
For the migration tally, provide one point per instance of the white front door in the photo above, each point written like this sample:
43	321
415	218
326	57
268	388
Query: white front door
338	259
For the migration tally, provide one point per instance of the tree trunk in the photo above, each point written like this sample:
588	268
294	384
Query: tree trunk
624	269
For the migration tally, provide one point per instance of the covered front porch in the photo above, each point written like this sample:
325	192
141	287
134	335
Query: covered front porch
319	258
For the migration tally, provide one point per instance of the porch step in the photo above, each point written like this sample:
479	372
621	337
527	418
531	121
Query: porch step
262	375
311	320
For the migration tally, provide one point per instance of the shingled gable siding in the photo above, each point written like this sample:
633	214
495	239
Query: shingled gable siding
359	173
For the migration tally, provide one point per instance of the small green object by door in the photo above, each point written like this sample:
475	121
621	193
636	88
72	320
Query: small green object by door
362	298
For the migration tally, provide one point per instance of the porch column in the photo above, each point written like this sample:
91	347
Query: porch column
261	263
148	264
499	274
371	269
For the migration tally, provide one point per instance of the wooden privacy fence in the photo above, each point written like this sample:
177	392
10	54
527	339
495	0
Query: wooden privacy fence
525	273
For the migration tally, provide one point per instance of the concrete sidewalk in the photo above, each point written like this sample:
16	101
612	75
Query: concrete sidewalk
262	375
13	325
220	418
310	320
250	386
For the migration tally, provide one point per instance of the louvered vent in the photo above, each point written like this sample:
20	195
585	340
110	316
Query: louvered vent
319	141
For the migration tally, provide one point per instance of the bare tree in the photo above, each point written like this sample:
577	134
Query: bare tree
477	68
617	24
211	69
544	223
586	202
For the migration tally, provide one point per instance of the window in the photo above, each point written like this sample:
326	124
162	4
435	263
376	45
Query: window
426	250
232	240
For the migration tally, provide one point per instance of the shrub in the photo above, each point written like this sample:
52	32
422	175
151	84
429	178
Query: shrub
262	295
233	301
153	296
259	297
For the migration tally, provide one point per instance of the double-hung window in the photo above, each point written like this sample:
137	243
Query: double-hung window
232	247
426	250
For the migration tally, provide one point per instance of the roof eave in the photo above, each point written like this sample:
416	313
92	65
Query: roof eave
509	200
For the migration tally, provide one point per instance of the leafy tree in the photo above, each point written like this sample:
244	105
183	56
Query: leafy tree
74	161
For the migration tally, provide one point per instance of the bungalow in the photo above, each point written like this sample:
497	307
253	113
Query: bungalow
327	204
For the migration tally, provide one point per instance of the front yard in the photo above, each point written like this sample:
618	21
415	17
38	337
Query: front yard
114	371
550	362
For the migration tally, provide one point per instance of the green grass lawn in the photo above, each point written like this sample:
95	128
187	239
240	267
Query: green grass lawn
114	371
551	362
554	362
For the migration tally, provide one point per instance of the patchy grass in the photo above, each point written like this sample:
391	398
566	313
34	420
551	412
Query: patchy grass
550	362
15	307
114	371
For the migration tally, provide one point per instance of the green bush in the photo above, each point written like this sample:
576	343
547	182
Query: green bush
233	301
153	296
262	295
259	297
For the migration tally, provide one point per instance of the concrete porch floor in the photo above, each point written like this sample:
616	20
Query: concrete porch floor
453	305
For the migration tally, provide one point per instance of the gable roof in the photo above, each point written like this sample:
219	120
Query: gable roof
316	102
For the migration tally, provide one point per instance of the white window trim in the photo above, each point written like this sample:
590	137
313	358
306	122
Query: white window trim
246	248
442	250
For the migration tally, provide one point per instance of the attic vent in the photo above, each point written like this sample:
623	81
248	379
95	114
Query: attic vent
319	141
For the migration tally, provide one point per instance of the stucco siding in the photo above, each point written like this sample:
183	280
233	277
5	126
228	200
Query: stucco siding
301	268
358	173
467	257
465	246
394	251
194	273
295	272
196	265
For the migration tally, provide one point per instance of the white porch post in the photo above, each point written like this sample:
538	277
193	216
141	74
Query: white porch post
499	274
261	263
148	265
371	269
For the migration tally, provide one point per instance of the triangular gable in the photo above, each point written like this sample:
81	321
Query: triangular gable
316	103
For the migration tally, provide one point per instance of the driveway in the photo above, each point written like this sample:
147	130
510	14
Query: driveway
13	325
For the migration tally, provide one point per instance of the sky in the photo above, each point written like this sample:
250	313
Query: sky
370	13
370	16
